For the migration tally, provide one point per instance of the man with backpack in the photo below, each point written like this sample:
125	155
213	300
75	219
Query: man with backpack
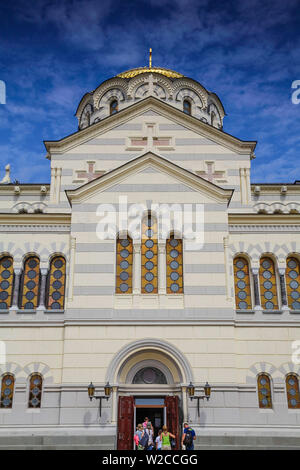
188	437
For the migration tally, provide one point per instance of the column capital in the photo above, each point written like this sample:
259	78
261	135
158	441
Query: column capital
18	271
44	271
281	271
255	271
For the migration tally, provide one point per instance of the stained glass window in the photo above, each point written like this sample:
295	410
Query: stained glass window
114	107
6	282
149	375
174	266
293	283
30	283
264	391
7	391
268	285
242	284
187	108
56	283
35	391
149	255
124	266
292	391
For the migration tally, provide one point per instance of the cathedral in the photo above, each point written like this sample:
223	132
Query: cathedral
150	278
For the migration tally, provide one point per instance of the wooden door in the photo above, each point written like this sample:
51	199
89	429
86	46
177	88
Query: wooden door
125	423
172	418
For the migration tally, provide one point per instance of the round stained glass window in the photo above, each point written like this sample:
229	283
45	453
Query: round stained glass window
29	295
268	295
295	295
30	285
56	295
149	254
174	253
174	287
266	264
32	263
124	276
29	306
262	381
58	263
293	274
35	391
57	274
294	285
149	287
268	285
149	265
149	233
264	391
124	287
243	305
296	305
173	242
149	277
6	263
6	401
149	376
55	306
293	402
240	264
31	274
124	253
8	382
7	391
264	402
242	295
3	295
241	284
4	284
57	284
174	276
35	401
174	264
292	264
292	392
240	274
3	305
267	274
149	243
291	381
36	381
269	305
124	243
5	274
124	264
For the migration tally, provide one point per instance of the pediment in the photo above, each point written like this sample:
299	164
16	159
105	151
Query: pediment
146	172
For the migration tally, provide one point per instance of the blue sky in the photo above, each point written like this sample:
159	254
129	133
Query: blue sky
52	52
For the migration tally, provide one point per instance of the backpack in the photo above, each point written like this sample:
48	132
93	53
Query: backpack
144	440
188	440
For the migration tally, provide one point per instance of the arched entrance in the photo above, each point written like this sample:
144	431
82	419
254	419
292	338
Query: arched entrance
150	379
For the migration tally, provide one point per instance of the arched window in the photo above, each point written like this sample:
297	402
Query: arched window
268	284
149	255
174	266
264	391
114	108
56	284
30	283
292	391
6	282
242	284
35	390
7	391
149	375
124	266
293	283
187	107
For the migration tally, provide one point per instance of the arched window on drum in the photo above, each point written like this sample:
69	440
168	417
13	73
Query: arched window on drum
56	284
293	282
124	265
187	107
242	284
268	284
292	391
35	390
7	391
264	391
114	107
6	282
30	283
174	266
149	255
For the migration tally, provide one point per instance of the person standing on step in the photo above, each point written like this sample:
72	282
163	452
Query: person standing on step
188	437
165	438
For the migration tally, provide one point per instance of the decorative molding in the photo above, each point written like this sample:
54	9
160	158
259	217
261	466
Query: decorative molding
104	88
34	228
264	228
277	207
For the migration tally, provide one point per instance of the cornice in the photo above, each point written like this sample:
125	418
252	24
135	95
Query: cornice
263	219
35	219
26	189
166	110
264	228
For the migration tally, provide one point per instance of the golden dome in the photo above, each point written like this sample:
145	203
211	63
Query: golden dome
133	72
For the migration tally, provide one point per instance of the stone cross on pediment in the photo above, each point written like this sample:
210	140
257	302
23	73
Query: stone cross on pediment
149	140
89	175
211	175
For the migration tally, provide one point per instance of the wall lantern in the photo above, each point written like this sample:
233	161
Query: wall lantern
91	393
191	392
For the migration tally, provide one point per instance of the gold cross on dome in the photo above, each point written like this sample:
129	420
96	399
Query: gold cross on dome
150	58
89	175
